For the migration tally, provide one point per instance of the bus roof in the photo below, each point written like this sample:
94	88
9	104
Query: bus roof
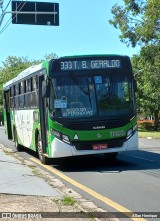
93	55
24	74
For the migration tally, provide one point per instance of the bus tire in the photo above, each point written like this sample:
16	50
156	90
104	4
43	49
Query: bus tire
111	156
43	159
17	145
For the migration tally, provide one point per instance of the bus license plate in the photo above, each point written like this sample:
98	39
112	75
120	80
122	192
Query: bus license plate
99	146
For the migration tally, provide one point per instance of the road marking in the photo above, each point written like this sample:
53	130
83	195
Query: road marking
98	196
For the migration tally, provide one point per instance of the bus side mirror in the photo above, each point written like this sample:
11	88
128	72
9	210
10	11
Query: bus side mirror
135	85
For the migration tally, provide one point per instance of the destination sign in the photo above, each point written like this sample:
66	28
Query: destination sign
89	64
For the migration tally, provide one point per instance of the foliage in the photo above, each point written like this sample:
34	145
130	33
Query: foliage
146	125
138	21
50	56
146	67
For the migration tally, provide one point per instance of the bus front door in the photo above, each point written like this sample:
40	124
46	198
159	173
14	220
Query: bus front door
8	113
43	116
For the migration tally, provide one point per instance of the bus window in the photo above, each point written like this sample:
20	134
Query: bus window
21	96
34	84
11	97
34	94
28	85
19	88
28	94
16	93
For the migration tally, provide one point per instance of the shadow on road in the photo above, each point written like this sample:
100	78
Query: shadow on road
135	160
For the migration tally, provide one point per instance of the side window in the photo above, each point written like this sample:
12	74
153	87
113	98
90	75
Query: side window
28	85
14	90
24	85
21	96
16	93
28	93
19	88
11	97
34	83
34	94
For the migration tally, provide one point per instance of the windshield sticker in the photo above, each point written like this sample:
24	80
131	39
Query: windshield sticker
75	112
98	79
60	103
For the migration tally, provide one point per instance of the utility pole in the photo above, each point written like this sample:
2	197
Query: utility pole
1	7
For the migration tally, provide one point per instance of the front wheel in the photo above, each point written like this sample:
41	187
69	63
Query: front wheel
111	156
42	158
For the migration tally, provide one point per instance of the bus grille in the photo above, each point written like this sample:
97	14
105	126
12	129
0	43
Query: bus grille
91	125
88	145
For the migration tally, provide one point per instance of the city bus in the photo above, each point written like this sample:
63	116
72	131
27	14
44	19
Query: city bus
73	106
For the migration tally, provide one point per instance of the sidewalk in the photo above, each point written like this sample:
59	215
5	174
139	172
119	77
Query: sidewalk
25	188
16	178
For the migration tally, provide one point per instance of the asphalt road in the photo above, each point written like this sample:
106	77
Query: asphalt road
132	181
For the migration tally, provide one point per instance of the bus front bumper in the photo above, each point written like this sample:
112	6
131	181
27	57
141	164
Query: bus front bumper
61	149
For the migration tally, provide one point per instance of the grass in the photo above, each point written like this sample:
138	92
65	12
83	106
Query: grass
68	201
144	134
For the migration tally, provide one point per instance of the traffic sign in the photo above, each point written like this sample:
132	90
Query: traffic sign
35	13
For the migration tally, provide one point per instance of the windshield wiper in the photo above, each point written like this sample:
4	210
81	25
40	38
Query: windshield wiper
79	84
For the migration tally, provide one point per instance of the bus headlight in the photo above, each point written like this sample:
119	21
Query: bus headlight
56	133
65	138
60	136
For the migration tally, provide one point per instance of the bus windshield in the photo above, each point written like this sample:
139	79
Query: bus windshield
106	95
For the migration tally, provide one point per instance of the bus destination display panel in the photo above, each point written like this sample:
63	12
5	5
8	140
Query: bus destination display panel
89	64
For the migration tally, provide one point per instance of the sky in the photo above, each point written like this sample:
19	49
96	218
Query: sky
84	29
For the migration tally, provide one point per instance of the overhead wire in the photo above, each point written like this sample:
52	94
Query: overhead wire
7	6
9	21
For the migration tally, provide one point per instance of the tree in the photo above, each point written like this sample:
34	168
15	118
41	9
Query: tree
138	21
50	56
146	67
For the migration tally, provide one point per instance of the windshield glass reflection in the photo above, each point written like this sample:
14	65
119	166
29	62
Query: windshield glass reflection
99	95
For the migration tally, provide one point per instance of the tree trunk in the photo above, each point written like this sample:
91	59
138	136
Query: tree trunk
156	120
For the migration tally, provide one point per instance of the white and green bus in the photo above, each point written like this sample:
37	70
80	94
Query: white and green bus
70	106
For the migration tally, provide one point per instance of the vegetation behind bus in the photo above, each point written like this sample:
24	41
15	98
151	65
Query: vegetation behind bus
138	22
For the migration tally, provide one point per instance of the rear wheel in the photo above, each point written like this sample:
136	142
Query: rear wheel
111	156
17	145
42	157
